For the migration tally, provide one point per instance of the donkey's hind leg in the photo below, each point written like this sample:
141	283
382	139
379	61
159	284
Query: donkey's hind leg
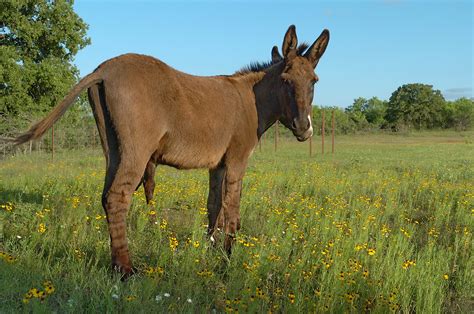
116	200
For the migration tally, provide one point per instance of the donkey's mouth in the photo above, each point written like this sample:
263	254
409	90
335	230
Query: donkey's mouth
301	138
306	135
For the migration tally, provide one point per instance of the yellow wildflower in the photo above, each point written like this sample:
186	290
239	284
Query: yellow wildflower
408	263
173	242
42	228
130	298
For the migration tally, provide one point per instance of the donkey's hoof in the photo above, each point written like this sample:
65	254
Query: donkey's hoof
125	271
228	242
214	236
127	275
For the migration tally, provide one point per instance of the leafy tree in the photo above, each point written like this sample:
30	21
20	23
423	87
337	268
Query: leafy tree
415	105
356	112
374	111
459	114
38	42
367	112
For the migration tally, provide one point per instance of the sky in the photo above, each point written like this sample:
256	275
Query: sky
375	46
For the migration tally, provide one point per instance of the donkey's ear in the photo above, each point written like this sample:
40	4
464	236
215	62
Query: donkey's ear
276	57
317	49
290	42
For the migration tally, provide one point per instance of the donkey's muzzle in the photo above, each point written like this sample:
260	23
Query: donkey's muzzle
302	128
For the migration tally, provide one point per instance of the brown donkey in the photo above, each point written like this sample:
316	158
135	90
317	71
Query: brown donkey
148	113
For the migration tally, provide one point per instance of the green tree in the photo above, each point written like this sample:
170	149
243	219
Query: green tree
415	105
38	42
459	114
356	113
367	112
374	111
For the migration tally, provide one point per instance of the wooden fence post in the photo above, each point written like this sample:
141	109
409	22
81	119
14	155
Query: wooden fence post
311	138
52	142
332	130
276	135
322	132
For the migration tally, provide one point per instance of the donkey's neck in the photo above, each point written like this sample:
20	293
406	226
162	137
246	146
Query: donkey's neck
266	98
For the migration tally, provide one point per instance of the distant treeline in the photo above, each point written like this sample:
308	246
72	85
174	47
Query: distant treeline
411	107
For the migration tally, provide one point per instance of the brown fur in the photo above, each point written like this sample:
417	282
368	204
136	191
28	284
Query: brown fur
148	113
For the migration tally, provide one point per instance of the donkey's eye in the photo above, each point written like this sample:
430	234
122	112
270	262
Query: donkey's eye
286	78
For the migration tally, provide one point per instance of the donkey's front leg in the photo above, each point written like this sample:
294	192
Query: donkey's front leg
233	187
149	181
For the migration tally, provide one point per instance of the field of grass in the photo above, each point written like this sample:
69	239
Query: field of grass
384	224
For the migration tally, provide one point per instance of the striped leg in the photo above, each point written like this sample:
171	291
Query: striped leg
116	202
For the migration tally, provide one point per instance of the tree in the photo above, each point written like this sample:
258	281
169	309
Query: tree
367	112
356	113
459	114
374	111
39	39
415	105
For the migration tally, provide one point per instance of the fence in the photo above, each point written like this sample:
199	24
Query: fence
322	129
64	136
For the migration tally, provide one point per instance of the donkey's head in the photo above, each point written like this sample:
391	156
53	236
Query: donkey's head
297	81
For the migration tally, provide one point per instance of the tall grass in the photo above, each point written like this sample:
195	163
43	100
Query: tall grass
384	224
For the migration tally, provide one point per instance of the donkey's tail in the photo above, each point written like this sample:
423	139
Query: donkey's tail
38	129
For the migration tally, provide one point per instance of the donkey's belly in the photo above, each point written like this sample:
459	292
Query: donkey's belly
191	155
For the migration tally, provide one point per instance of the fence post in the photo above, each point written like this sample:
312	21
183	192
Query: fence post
322	132
332	130
276	135
311	138
52	142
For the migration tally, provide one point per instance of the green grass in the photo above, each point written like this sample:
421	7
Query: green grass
384	224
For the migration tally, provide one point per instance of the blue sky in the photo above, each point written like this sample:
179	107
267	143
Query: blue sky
375	46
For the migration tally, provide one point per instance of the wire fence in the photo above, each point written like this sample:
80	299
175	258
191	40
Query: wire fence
83	134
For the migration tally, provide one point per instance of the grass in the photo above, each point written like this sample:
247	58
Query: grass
384	224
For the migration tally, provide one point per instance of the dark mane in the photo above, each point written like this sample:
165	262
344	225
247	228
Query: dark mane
260	66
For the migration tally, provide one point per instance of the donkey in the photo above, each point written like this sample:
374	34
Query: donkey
148	113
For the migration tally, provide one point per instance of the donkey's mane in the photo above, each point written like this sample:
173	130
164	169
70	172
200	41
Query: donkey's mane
260	66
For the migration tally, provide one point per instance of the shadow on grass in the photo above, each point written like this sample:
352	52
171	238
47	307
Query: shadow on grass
20	196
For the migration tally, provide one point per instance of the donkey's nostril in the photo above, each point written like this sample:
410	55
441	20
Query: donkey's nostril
293	125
